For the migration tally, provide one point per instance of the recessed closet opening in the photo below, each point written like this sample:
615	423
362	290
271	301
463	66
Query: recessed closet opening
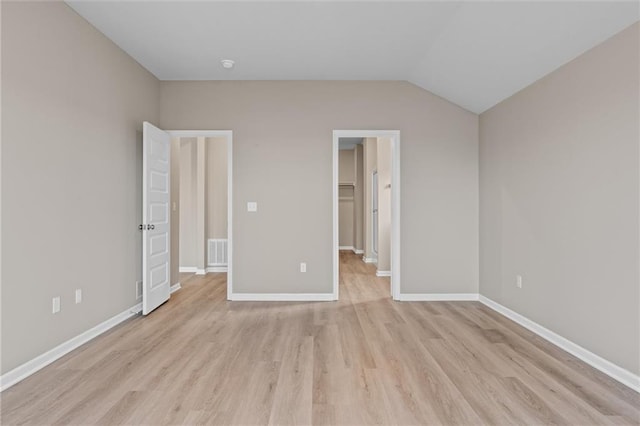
366	210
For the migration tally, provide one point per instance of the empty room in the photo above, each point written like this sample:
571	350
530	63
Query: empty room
320	212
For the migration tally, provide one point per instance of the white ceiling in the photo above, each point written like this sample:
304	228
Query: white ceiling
474	54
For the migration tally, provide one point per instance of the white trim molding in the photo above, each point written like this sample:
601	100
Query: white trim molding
358	251
217	269
437	297
350	248
198	271
369	259
612	370
282	297
38	363
383	273
30	367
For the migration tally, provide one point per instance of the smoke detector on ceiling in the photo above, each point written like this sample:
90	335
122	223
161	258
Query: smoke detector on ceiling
227	63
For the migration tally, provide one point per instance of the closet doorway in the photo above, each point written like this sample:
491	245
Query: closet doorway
366	202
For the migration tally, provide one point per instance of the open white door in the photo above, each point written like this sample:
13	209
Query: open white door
155	217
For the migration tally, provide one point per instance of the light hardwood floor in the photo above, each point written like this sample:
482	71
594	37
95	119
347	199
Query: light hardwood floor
363	360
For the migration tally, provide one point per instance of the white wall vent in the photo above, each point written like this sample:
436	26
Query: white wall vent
217	253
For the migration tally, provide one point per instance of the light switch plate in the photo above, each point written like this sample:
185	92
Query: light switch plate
252	206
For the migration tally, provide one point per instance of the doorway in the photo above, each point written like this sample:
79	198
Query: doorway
385	179
201	203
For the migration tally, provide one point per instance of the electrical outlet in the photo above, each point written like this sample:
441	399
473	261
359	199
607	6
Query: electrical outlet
78	295
252	206
138	289
519	281
303	267
55	305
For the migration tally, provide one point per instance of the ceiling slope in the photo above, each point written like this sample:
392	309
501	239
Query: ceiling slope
474	54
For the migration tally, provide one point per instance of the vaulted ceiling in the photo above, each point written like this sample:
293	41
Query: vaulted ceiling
474	54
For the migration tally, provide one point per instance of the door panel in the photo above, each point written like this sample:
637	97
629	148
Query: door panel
156	286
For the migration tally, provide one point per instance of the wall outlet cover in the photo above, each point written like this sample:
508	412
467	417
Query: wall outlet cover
55	308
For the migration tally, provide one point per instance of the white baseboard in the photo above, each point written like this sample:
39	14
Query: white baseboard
437	297
28	368
198	271
282	297
358	251
620	374
383	273
369	259
346	248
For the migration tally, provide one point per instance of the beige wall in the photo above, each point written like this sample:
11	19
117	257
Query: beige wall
272	161
370	153
216	197
346	166
559	179
346	197
346	216
72	110
358	193
200	202
187	206
175	210
383	165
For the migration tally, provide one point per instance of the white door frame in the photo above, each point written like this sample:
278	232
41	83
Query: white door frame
229	135
394	135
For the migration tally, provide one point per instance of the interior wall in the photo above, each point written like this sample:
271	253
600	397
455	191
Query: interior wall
175	211
200	202
73	104
383	163
559	182
346	197
346	215
370	151
346	166
216	197
358	193
188	195
283	161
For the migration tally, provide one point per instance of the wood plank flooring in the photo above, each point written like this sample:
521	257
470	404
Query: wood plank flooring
200	359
